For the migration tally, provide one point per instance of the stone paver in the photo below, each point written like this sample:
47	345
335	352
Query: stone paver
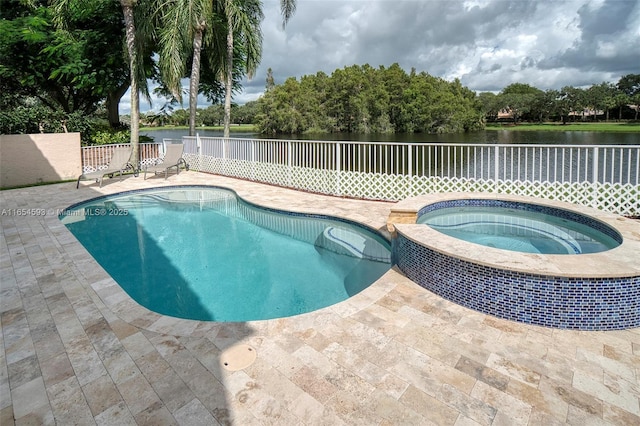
75	349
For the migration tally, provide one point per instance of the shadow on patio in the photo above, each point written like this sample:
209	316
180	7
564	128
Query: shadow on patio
76	348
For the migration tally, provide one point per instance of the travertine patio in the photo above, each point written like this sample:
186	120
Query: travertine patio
77	350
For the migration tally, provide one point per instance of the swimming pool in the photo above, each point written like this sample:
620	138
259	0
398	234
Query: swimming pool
203	253
519	227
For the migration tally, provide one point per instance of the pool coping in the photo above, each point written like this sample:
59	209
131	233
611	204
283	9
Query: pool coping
621	261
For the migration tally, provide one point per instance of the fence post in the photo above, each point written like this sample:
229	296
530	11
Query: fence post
338	168
199	149
224	156
496	166
410	169
165	141
289	170
253	159
595	177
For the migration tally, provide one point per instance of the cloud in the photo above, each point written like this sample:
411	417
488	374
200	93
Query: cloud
487	44
608	42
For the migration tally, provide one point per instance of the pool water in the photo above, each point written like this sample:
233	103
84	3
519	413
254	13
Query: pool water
202	253
518	230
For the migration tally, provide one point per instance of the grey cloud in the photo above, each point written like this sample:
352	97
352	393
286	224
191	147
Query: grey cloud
610	18
527	62
487	44
609	40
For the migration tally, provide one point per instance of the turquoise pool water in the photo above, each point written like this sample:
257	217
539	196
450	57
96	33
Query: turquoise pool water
203	253
518	229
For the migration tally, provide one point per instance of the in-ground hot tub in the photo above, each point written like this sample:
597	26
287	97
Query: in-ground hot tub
582	288
518	226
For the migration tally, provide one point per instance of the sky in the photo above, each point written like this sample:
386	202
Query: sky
487	44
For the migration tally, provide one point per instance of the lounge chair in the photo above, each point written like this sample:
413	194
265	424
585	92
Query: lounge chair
172	158
118	164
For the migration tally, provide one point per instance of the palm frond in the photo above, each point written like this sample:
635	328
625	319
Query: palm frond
287	9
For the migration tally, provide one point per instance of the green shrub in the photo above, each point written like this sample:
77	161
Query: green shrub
105	137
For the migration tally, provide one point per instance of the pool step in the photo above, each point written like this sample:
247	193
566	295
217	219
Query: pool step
344	241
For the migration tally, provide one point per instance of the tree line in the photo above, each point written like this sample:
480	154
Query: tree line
363	99
298	106
301	106
520	101
212	116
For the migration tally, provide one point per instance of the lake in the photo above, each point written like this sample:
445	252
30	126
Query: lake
487	136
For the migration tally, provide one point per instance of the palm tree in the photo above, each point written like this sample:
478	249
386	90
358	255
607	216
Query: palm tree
139	45
130	31
136	42
287	9
243	19
183	22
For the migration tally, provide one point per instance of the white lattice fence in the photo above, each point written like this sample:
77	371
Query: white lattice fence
205	163
431	184
619	198
237	168
622	199
274	174
313	180
323	174
193	160
377	186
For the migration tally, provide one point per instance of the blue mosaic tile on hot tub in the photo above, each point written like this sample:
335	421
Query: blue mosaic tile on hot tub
584	304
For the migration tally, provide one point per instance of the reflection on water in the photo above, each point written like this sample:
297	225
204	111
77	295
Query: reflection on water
574	163
487	136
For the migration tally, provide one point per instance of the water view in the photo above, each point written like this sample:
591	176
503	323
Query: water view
487	136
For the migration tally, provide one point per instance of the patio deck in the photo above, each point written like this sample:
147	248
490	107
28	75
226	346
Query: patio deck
77	350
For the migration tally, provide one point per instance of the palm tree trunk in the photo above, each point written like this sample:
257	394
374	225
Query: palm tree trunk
229	77
130	28
195	77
